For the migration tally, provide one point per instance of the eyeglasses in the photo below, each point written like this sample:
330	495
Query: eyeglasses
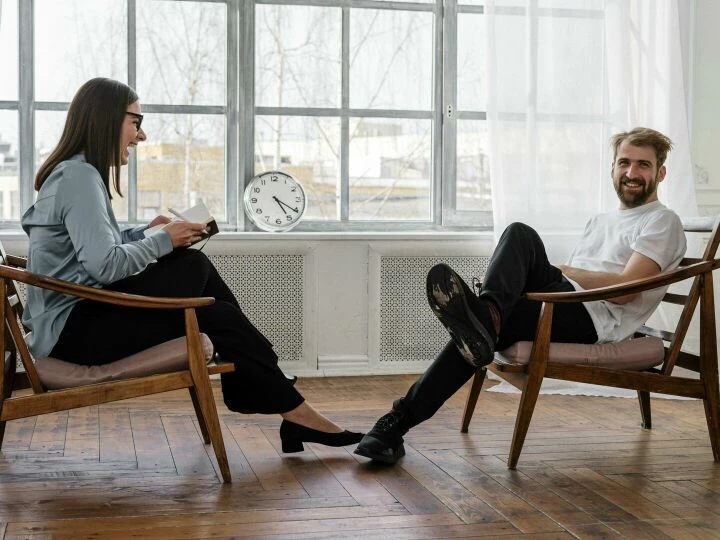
139	118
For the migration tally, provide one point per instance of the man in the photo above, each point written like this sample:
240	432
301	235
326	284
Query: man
642	238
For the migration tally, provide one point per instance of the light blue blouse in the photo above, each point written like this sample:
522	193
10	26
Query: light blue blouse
74	236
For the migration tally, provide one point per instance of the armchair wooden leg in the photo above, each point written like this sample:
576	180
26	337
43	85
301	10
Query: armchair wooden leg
205	399
522	422
8	380
206	407
472	398
644	400
712	415
198	413
709	364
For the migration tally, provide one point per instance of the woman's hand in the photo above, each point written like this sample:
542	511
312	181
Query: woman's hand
184	233
160	220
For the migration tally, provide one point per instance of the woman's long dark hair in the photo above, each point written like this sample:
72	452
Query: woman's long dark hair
92	127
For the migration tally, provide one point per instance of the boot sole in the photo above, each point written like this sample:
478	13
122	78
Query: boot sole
447	300
382	458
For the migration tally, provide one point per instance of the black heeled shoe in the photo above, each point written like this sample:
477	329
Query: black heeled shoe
294	435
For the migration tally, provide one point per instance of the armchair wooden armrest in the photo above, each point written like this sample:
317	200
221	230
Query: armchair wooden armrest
631	287
101	295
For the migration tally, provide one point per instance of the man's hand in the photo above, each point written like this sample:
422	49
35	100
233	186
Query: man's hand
638	267
160	220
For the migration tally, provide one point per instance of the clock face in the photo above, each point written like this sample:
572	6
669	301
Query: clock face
274	201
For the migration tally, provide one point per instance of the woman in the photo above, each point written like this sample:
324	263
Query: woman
74	236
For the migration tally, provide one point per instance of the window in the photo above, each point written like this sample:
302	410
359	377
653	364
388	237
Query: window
175	55
378	106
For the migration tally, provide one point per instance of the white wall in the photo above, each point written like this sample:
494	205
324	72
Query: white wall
705	126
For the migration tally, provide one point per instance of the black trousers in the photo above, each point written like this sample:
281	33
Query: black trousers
518	265
97	333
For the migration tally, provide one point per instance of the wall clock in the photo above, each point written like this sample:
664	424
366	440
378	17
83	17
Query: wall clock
275	201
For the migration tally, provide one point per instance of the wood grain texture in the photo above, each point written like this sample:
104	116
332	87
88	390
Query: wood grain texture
139	469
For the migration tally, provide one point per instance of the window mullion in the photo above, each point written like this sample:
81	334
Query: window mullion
232	148
26	102
246	112
438	178
448	114
132	194
345	120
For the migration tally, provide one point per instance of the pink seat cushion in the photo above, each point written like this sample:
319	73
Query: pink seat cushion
164	358
633	354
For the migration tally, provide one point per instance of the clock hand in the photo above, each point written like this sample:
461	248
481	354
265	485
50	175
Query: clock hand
279	203
286	205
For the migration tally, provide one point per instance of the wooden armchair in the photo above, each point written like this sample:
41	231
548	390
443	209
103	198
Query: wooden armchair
181	363
651	373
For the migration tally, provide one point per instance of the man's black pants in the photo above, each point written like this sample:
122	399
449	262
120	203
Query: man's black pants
518	265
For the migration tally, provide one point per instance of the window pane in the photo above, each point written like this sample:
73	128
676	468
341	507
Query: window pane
554	4
473	167
307	148
48	128
570	45
391	59
76	41
184	160
571	179
390	169
471	62
511	82
298	56
181	52
9	48
9	179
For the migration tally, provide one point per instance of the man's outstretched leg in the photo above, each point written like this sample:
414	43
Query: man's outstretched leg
444	377
518	264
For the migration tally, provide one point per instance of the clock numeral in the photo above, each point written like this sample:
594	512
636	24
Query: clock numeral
274	178
293	189
253	200
258	210
278	221
256	190
289	217
262	182
267	218
298	199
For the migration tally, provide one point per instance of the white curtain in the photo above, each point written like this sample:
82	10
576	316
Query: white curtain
563	76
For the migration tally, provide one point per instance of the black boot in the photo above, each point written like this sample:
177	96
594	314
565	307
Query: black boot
467	318
384	442
293	436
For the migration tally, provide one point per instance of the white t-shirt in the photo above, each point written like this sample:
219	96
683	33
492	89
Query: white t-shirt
608	243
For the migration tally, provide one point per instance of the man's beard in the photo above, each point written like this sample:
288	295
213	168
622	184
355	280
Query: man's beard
638	198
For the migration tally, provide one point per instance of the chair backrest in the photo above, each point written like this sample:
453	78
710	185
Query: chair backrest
12	313
673	353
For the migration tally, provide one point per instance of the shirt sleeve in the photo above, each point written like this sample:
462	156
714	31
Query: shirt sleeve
83	208
131	235
662	239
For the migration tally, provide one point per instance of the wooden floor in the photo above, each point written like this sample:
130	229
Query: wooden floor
139	469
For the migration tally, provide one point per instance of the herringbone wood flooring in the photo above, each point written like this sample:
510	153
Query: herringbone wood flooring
138	468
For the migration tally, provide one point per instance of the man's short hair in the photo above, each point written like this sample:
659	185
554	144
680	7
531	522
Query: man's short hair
644	137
